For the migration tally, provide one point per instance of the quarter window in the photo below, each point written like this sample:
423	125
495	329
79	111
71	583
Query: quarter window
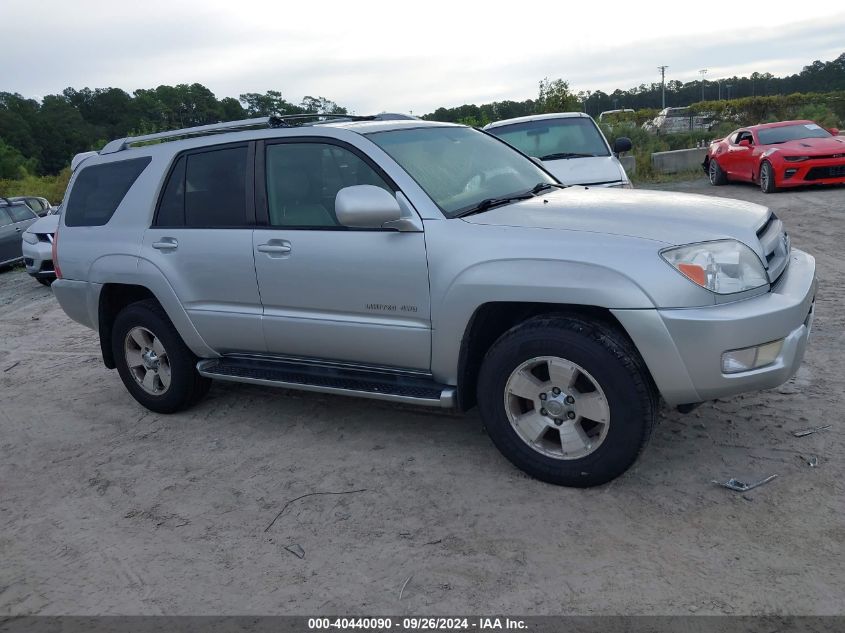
99	190
303	180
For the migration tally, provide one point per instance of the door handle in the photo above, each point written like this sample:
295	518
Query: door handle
275	249
18	229
166	244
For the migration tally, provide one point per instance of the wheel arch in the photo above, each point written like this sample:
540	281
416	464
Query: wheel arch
115	296
493	319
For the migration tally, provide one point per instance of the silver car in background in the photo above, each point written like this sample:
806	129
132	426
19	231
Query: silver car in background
41	206
570	145
37	248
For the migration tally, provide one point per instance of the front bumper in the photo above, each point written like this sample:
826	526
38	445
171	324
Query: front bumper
683	347
827	171
38	259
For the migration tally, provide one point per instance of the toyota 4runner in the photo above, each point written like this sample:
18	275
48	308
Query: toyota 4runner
426	263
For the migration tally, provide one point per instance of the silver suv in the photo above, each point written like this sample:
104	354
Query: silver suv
426	263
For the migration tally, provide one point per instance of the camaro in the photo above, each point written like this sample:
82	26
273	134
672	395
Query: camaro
775	155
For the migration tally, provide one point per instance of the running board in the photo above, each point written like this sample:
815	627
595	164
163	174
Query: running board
380	384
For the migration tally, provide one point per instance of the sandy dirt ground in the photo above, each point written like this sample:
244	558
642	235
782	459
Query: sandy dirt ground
106	508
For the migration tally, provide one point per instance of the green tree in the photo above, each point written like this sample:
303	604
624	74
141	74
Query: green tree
321	105
12	163
555	96
271	102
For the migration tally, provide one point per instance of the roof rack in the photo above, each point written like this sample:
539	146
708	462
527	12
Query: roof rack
124	143
273	121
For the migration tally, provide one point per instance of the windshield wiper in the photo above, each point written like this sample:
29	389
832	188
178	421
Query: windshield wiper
545	185
489	203
561	155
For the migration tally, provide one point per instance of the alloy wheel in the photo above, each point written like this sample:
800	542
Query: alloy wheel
147	360
557	408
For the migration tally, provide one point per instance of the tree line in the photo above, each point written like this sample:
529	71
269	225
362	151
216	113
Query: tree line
40	137
816	77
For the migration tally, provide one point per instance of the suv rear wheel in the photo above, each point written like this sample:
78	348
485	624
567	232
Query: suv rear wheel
567	400
154	363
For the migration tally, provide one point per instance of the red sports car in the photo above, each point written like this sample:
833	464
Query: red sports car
774	155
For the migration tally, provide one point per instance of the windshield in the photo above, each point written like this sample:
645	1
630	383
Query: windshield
459	167
775	135
550	139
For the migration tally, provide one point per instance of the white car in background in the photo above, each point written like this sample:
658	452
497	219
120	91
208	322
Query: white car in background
37	247
570	145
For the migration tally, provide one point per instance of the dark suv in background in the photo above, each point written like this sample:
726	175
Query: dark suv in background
15	218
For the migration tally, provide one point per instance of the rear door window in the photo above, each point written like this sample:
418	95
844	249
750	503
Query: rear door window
5	218
205	190
99	190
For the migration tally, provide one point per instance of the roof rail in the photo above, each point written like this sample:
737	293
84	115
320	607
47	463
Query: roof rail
123	143
285	120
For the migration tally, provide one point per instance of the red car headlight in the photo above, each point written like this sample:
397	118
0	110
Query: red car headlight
795	159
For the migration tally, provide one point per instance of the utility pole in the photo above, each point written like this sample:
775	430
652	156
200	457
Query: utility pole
662	70
702	72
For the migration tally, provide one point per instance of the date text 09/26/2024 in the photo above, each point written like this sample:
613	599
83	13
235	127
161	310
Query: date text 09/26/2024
417	624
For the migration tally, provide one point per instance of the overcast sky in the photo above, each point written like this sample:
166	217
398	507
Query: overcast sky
375	56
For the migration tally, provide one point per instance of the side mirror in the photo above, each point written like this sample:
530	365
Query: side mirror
366	206
622	144
834	131
745	143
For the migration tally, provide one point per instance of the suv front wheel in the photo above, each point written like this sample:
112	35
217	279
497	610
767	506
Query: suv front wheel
154	363
567	400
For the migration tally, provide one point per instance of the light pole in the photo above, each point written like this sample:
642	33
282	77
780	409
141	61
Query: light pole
702	72
662	70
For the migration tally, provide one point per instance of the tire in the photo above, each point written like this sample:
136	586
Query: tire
46	281
715	173
767	178
170	380
605	360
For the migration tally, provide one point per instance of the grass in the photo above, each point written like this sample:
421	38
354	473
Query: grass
50	187
655	178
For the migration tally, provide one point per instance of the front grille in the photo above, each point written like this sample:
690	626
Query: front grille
775	244
819	173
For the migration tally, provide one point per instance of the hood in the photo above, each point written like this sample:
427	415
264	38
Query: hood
667	217
585	171
812	146
47	224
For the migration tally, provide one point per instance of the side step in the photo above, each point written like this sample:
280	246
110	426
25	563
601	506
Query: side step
324	377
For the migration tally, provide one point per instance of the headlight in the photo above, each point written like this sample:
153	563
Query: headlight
796	159
30	238
723	267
